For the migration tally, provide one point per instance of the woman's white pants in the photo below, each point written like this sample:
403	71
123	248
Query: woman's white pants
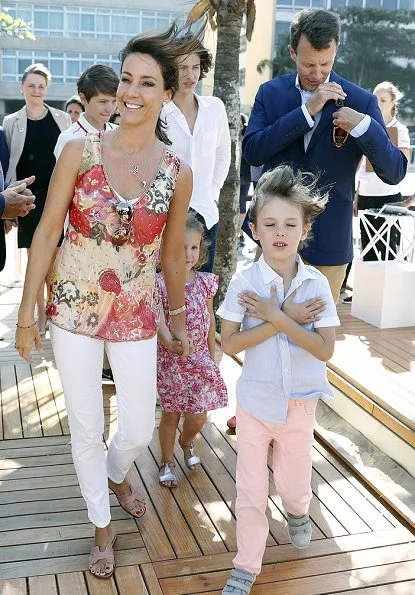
133	363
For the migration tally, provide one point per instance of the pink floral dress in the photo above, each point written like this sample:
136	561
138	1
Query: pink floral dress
193	384
99	289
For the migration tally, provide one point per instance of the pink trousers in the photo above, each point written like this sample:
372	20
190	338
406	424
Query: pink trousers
292	463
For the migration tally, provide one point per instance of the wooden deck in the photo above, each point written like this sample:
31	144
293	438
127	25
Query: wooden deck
186	541
380	364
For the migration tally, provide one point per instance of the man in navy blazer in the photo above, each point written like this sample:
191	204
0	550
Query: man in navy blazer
16	200
320	123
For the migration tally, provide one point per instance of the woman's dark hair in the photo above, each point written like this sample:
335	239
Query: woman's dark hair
74	99
206	58
166	50
113	117
193	224
295	187
319	26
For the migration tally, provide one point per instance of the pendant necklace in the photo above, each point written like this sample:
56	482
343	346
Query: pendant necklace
135	167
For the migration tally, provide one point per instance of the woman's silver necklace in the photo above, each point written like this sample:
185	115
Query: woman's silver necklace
40	117
135	167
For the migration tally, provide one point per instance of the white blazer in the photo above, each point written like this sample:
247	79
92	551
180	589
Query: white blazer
15	126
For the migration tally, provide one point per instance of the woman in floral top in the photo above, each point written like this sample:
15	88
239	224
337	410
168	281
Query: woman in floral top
124	189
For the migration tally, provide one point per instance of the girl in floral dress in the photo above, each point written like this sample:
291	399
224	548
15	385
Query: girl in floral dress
191	385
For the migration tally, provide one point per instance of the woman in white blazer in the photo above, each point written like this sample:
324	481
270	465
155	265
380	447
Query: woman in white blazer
31	135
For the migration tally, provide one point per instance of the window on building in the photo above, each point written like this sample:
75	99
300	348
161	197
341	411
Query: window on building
280	28
406	4
337	3
22	64
390	4
148	22
41	20
56	21
355	3
88	23
319	3
73	24
65	67
51	20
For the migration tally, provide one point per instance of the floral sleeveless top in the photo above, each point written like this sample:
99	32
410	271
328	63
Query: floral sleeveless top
98	289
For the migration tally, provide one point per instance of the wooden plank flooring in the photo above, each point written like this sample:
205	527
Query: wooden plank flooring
379	362
186	541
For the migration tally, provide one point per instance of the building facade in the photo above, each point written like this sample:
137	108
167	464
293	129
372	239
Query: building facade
72	36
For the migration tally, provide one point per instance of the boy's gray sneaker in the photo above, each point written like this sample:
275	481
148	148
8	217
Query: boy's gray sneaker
299	529
239	583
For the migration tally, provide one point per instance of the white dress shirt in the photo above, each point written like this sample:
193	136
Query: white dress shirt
357	131
278	369
78	129
207	150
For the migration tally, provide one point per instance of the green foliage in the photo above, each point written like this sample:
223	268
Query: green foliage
282	62
14	27
377	45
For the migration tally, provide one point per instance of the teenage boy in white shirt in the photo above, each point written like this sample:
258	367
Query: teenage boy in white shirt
97	87
199	131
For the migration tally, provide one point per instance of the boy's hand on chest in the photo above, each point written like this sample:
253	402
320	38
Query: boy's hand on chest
266	309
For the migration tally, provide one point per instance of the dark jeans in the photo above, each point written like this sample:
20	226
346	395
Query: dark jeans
377	202
211	235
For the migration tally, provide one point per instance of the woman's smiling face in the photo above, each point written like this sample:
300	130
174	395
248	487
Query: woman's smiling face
141	93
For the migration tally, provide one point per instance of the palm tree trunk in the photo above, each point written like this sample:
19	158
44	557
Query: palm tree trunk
226	86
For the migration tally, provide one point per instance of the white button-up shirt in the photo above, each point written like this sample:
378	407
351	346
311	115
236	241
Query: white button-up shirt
357	131
207	151
278	369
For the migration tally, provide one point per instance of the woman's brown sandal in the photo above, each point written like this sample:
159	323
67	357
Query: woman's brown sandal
126	502
108	555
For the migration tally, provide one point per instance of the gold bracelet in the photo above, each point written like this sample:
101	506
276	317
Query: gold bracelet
30	326
177	311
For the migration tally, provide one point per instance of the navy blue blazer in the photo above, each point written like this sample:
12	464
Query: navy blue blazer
275	136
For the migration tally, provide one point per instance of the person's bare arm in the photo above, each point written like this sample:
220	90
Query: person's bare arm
234	340
164	336
45	240
172	253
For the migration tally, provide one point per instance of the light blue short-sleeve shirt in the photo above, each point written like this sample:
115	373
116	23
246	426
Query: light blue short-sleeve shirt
278	369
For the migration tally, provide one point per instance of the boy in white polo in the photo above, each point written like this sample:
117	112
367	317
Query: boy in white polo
97	87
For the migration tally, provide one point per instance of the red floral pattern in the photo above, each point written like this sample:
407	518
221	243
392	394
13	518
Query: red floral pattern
109	281
99	289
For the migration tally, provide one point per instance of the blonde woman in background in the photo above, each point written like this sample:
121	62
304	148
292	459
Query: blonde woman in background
35	125
372	192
